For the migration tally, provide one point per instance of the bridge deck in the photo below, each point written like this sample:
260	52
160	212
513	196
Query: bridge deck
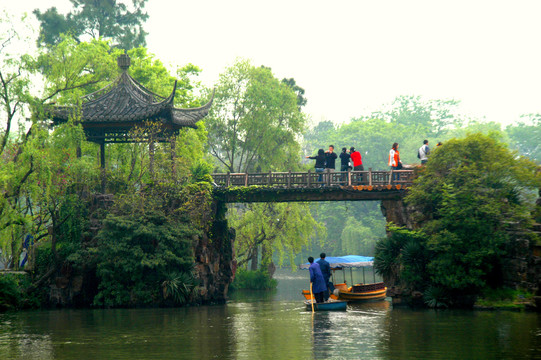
312	186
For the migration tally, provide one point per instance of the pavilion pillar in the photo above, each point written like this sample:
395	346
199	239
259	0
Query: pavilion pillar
102	154
102	165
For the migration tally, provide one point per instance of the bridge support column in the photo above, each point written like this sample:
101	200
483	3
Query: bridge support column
396	212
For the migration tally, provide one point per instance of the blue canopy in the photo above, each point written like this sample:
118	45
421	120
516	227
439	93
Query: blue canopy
348	261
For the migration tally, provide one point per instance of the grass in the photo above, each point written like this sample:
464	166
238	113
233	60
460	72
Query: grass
504	299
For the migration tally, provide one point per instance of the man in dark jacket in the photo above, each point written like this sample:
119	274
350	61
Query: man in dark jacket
317	280
330	158
326	271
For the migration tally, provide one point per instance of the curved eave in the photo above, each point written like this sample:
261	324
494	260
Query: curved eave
189	117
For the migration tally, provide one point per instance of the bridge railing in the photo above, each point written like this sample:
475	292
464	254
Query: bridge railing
315	179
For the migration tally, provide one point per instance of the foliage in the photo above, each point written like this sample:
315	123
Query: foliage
253	280
201	171
9	293
12	294
526	136
504	298
255	120
436	297
467	196
107	19
284	228
137	251
401	257
14	79
180	287
359	236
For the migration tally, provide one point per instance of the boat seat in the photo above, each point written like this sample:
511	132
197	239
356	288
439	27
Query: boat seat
342	286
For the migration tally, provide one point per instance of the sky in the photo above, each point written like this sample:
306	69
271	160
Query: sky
352	57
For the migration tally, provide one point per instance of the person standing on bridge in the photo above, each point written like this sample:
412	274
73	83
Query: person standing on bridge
424	152
330	161
394	160
357	161
320	163
344	161
317	280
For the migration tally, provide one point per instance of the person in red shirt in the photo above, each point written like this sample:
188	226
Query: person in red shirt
394	160
357	159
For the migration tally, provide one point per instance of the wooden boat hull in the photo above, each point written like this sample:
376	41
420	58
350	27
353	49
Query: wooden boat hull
307	296
327	306
368	296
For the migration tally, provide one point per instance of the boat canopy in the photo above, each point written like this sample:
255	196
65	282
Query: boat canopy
348	261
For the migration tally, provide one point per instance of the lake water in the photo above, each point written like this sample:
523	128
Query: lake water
270	325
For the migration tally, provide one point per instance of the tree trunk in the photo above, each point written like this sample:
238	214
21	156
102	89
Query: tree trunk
255	254
266	260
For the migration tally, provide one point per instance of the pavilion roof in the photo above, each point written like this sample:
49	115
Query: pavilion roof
125	102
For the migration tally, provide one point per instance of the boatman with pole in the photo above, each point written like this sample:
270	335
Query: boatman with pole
318	282
326	271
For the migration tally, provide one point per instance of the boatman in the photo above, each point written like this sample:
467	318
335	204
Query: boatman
326	271
317	280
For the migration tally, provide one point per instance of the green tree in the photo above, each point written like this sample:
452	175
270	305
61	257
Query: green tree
359	237
467	196
431	117
526	136
14	79
108	19
255	121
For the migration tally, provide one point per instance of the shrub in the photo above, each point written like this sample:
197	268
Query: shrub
137	253
253	280
9	293
180	287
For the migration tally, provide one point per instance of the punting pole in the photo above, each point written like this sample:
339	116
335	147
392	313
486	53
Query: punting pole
351	275
374	273
312	298
364	280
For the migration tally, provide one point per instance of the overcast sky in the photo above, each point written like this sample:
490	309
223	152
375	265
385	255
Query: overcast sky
353	56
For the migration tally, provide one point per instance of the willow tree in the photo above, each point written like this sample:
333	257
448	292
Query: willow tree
255	121
282	229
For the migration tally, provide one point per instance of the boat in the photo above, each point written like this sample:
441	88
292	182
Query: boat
362	292
307	296
331	305
358	293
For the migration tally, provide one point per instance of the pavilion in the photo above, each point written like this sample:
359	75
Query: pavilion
111	114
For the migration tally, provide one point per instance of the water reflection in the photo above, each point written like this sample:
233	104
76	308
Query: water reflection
269	325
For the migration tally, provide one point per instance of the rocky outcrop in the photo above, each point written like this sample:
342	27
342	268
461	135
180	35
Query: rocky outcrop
214	257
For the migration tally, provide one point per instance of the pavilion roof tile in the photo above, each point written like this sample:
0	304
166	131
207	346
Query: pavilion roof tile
126	100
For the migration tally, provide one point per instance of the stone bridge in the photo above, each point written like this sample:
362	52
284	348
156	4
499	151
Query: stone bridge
312	186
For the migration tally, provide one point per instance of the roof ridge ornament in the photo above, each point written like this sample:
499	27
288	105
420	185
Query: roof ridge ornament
124	61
